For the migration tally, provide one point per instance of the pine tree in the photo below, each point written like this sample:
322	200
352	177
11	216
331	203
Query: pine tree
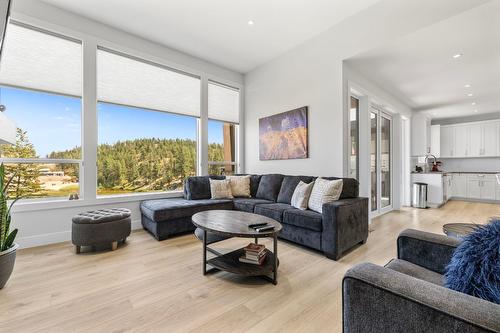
26	182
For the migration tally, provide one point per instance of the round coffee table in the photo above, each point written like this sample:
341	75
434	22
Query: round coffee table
235	224
458	230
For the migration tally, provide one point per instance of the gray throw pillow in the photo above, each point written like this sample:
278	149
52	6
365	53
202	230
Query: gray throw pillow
300	197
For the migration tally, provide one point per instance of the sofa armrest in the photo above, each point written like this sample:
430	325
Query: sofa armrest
426	249
378	299
345	224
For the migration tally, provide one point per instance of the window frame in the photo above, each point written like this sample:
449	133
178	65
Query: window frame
43	160
236	163
88	169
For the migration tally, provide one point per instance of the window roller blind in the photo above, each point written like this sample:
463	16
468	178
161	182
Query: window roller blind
223	103
127	81
41	61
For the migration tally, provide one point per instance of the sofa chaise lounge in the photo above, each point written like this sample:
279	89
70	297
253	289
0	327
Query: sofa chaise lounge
342	224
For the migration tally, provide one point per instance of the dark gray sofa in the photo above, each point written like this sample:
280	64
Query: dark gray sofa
407	295
342	225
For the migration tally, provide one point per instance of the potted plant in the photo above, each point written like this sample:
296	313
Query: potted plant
7	246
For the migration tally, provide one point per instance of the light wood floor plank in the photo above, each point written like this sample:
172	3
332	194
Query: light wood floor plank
150	286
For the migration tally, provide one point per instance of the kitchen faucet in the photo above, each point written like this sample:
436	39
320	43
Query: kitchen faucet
427	161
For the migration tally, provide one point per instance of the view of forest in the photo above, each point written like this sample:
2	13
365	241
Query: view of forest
141	165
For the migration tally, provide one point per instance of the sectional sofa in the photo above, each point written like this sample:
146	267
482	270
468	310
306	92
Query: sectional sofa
342	224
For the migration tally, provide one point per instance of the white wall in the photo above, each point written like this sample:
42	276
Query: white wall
311	75
44	223
367	89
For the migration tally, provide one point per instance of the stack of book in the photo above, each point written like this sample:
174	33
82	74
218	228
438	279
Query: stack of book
254	254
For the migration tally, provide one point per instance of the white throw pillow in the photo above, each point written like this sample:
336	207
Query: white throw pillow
240	186
301	194
221	189
324	191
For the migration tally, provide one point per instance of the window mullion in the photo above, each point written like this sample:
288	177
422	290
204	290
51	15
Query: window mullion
88	173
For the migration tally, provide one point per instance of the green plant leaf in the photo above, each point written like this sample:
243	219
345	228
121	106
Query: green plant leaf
10	239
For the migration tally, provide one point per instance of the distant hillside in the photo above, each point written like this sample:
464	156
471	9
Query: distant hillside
144	165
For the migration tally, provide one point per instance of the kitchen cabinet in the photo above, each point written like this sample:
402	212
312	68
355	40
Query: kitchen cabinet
436	140
490	139
447	141
475	140
480	139
436	195
473	189
420	135
447	188
459	185
481	186
461	146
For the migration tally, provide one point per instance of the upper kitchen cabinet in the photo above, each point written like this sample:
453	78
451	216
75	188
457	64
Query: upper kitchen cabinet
491	138
447	141
479	139
461	148
420	135
436	140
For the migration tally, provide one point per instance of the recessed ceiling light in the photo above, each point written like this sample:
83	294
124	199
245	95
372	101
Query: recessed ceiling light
475	111
473	103
251	22
470	95
467	86
458	55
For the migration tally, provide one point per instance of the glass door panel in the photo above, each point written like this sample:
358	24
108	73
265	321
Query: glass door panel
385	162
373	161
354	138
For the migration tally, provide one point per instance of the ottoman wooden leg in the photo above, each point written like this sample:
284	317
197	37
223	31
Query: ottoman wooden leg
78	249
114	246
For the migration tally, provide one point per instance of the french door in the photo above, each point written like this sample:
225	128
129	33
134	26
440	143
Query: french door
380	161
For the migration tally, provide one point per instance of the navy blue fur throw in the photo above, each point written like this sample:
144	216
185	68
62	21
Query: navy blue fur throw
475	266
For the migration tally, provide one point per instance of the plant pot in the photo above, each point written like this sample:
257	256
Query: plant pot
7	260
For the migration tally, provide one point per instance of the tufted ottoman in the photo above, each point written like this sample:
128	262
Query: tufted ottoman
103	226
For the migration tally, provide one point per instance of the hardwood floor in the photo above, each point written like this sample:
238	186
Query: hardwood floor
147	285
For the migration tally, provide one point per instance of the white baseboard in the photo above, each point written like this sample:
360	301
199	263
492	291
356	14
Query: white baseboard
56	237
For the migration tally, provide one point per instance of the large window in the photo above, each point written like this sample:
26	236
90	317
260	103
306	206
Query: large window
143	151
223	112
147	125
40	88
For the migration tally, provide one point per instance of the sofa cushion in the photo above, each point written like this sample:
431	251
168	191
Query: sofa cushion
306	219
419	272
198	187
248	204
167	209
288	186
350	187
273	210
269	187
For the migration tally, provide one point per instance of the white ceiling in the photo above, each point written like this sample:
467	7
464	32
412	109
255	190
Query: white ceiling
420	69
218	30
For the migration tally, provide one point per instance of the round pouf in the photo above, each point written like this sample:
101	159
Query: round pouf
101	227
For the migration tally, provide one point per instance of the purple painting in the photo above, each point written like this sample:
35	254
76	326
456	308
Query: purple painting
284	136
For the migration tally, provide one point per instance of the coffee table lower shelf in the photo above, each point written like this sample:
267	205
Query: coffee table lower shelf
229	262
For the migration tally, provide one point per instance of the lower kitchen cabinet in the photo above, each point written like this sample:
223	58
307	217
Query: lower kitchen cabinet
459	185
481	186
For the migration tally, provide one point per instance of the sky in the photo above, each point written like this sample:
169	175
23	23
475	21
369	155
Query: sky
53	122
